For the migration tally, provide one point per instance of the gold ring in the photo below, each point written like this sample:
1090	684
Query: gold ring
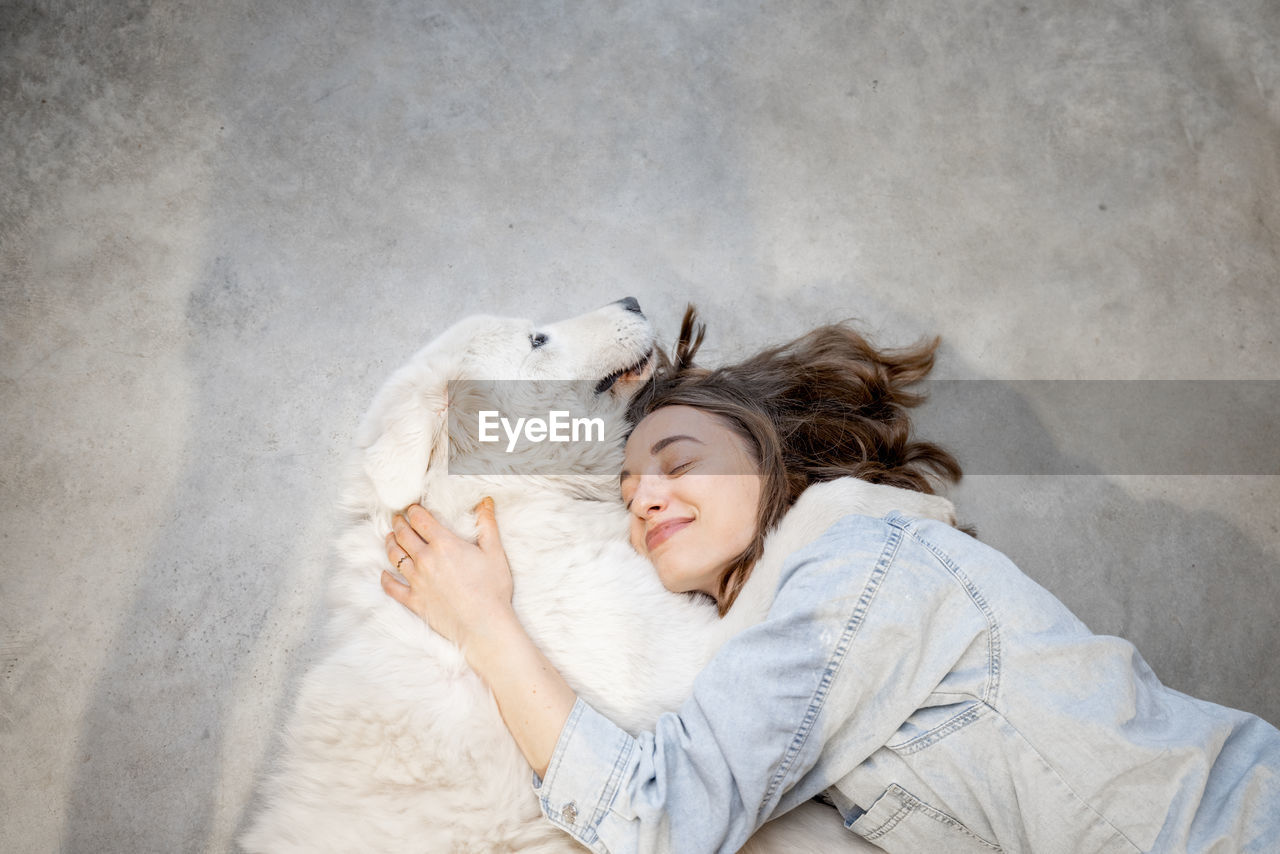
400	561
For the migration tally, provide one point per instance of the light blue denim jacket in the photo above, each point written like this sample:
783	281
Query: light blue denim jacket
945	702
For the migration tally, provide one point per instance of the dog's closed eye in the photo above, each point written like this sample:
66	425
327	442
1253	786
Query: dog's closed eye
537	339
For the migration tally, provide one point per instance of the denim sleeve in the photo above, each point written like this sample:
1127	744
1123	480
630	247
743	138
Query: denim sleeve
748	741
583	777
663	791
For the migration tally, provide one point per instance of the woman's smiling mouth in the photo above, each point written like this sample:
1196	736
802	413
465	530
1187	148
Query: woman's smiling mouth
663	532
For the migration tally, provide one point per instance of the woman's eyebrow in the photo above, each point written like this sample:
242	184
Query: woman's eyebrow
658	446
662	443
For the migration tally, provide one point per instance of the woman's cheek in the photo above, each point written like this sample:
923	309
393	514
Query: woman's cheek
637	537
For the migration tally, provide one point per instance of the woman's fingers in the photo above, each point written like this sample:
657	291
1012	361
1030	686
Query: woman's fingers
396	555
407	537
487	526
452	583
424	524
396	589
416	529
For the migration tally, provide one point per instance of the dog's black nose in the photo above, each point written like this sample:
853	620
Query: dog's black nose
630	304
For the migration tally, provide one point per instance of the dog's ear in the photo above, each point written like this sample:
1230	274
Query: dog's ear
692	330
403	436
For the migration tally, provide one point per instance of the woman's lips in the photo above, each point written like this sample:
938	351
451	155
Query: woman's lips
663	532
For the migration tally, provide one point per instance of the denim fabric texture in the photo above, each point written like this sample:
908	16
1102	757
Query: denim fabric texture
943	701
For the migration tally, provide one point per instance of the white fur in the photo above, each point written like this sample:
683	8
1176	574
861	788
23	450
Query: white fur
395	745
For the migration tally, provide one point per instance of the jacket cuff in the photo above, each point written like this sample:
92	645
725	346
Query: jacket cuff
584	774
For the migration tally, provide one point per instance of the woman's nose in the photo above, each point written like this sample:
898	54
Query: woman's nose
650	495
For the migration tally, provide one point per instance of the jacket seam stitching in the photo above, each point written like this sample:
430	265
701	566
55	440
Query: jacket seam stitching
852	625
992	688
552	771
951	725
914	804
605	805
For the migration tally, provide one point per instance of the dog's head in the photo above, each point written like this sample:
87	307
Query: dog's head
501	365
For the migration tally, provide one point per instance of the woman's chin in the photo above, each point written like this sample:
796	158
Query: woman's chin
671	586
675	585
673	581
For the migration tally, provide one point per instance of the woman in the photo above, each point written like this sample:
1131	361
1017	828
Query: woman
937	696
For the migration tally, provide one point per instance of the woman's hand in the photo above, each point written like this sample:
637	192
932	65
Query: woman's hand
463	591
460	589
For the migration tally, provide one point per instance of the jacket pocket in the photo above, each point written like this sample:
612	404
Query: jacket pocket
900	822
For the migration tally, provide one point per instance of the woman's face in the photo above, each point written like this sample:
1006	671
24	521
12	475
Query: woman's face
693	489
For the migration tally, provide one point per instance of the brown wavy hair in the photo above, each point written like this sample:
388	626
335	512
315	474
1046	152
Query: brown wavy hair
828	404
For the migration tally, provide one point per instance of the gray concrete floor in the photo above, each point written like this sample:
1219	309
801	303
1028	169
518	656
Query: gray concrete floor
224	223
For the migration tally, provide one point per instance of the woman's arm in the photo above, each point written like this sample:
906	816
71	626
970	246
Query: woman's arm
746	745
532	696
703	780
679	788
463	591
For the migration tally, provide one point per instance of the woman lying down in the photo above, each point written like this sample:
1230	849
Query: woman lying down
936	695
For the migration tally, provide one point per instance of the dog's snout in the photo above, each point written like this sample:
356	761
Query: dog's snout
630	304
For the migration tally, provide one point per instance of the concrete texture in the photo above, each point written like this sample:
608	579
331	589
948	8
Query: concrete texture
224	223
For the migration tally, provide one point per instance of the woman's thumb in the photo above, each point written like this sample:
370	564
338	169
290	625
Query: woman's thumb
486	525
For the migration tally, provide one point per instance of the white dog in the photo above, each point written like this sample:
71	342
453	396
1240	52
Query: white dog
395	745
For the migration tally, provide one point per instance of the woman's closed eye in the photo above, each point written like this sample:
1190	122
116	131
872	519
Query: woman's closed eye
668	471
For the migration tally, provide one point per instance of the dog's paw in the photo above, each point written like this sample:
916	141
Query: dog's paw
935	507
